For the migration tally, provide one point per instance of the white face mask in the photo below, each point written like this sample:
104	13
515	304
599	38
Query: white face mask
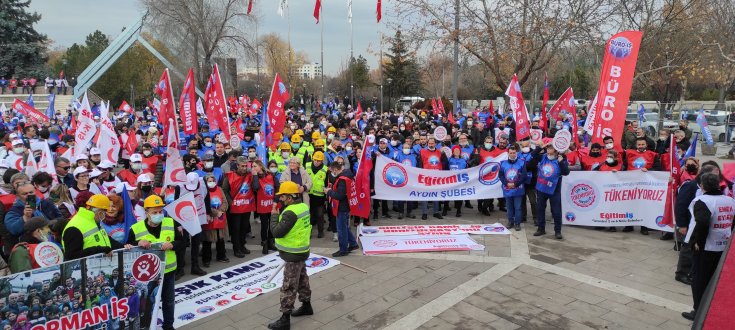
273	169
147	153
608	146
348	149
211	184
406	151
251	154
330	136
136	166
208	144
488	145
228	150
394	143
19	150
610	160
549	156
208	165
525	149
285	155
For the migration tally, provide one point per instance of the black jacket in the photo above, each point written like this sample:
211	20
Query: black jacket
340	192
687	193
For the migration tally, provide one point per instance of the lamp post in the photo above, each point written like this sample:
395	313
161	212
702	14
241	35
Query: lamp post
303	95
390	92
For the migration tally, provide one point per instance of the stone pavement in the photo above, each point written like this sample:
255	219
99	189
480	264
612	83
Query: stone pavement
589	280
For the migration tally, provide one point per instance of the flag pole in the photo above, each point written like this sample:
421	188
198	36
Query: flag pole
321	63
288	18
352	71
380	63
257	61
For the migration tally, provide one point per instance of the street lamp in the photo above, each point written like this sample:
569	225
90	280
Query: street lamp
390	92
303	96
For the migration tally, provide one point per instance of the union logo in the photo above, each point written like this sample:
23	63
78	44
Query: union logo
489	173
395	175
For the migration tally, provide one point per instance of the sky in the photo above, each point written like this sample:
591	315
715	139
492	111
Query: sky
70	21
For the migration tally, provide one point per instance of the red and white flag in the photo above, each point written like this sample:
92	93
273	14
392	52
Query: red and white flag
125	107
30	112
358	113
564	105
317	10
255	106
108	141
86	129
379	11
518	106
184	211
360	206
166	109
217	104
277	104
131	143
675	171
187	105
250	6
175	174
544	103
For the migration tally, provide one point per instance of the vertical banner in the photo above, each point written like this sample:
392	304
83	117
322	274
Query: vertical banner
187	105
175	173
108	141
362	180
277	105
518	106
217	104
98	292
166	107
616	79
86	128
545	102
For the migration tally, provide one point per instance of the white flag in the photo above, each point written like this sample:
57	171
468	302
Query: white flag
349	10
184	211
108	142
282	5
3	109
46	163
200	107
31	166
86	128
175	174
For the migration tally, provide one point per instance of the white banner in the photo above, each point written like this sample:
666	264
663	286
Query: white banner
418	243
475	229
396	182
215	292
108	141
86	128
631	198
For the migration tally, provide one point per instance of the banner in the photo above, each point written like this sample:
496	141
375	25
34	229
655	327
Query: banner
174	174
518	106
166	109
475	229
187	105
216	292
631	198
216	110
396	182
29	111
362	181
544	103
96	288
277	105
86	129
563	106
418	243
108	141
616	79
184	211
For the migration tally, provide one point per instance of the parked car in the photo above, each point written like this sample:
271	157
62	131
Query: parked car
650	122
717	124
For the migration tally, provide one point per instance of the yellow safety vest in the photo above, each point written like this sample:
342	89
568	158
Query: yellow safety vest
317	179
298	238
167	235
93	235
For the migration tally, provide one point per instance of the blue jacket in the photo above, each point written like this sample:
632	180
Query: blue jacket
467	151
14	217
407	160
513	172
550	172
457	163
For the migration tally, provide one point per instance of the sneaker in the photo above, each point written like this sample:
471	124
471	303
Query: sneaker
438	216
353	248
387	216
539	232
689	315
424	217
558	235
644	231
627	229
339	254
509	225
320	234
518	227
459	213
257	220
334	237
400	216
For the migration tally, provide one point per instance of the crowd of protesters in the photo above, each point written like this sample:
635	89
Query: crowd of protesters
31	85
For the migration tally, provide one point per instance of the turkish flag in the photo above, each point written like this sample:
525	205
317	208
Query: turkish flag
125	107
359	110
491	109
564	105
174	174
317	10
131	143
518	106
362	182
184	211
255	106
166	107
187	105
379	11
277	104
250	6
450	118
217	104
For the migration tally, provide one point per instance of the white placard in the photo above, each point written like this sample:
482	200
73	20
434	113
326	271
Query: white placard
418	243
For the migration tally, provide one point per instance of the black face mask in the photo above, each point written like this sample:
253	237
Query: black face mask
146	189
691	168
595	154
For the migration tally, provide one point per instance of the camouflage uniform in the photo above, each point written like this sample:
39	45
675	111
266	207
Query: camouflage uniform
295	281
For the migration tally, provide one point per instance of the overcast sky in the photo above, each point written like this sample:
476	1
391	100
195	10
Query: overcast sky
70	21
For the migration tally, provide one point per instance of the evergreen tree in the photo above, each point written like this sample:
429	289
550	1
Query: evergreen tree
403	70
23	48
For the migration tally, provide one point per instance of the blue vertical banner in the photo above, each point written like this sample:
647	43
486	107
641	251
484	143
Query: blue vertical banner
704	127
51	111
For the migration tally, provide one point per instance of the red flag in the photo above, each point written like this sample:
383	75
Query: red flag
675	171
544	103
450	118
238	127
187	105
166	108
73	127
440	103
492	109
616	80
565	104
361	206
232	103
124	106
518	106
277	104
255	106
250	6
379	11
61	74
131	143
434	107
30	112
213	124
317	10
359	110
215	100
575	135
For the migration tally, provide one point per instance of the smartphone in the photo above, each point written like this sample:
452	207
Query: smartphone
31	201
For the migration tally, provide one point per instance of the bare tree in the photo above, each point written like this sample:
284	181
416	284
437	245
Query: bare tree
201	30
718	38
512	36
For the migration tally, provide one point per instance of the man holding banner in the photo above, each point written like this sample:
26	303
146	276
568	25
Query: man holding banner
551	167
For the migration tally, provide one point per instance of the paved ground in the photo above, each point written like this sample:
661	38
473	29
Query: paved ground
588	280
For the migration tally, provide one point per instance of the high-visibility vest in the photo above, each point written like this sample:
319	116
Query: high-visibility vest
298	238
317	180
93	235
166	236
282	163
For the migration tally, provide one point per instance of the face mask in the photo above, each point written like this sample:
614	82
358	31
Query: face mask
610	160
330	136
147	153
146	189
285	155
136	166
348	149
558	127
691	168
662	138
228	150
464	144
406	151
295	145
157	218
512	159
595	154
208	144
641	149
549	156
525	149
208	165
394	143
211	184
251	154
469	123
403	129
488	145
324	123
608	146
45	189
431	148
19	150
273	169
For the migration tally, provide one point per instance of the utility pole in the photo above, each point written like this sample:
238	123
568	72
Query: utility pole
455	78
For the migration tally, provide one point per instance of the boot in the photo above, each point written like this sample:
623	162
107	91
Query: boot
272	245
305	309
206	254
284	323
195	270
221	251
264	244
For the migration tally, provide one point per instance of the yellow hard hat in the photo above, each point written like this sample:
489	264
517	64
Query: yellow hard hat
153	201
316	135
296	138
331	129
288	187
318	155
99	201
299	132
285	146
319	143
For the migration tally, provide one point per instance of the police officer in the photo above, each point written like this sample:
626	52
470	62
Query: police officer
318	173
83	236
292	232
160	233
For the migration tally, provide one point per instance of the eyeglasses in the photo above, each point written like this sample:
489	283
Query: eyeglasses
65	168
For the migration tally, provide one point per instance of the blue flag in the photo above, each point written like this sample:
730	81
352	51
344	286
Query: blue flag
261	149
128	211
29	101
691	152
641	111
704	127
50	111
